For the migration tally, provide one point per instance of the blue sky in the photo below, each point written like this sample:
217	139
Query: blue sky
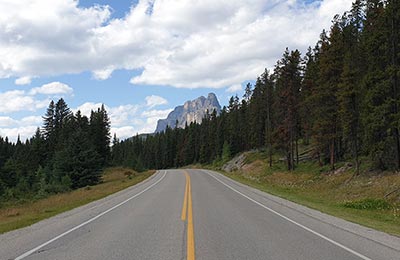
141	58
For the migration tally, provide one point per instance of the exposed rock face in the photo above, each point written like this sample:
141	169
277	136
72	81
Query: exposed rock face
191	111
235	164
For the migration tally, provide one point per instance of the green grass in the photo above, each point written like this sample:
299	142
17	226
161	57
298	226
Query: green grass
370	204
358	199
29	212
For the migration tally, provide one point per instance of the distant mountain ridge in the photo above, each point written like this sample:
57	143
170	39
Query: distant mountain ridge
191	111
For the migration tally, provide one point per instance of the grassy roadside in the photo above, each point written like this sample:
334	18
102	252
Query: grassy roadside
27	213
360	200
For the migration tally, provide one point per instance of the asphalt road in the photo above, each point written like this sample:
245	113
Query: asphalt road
195	215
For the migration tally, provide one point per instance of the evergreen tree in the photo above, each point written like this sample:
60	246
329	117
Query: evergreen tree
79	162
349	89
100	133
377	117
288	84
326	127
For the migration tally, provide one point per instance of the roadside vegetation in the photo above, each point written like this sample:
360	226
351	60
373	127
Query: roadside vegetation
328	121
68	152
342	97
14	215
313	114
371	198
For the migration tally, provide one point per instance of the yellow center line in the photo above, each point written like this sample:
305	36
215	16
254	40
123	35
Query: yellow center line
190	229
184	207
187	206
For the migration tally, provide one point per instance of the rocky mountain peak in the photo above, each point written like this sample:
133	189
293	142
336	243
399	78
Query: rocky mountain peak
190	111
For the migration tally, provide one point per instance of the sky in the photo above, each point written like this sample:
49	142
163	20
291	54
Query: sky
142	58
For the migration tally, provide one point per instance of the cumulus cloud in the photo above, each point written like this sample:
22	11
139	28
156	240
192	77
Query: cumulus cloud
128	120
103	74
53	88
24	127
24	132
156	113
23	80
208	43
31	120
6	121
119	115
25	121
27	47
153	101
87	107
124	132
234	88
21	100
18	100
152	116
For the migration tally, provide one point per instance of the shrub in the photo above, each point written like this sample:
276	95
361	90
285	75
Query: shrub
369	204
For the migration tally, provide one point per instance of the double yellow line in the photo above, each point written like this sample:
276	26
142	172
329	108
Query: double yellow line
187	214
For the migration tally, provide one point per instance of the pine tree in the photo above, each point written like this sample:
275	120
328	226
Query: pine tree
269	94
257	110
393	70
48	129
49	121
377	117
307	95
248	92
62	126
78	162
326	127
288	84
349	89
100	133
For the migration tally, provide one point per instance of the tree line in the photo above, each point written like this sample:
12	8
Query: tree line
68	152
341	98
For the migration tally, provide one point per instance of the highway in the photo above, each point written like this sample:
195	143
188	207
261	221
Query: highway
195	214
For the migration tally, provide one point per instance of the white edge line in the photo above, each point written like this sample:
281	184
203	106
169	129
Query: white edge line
86	222
292	221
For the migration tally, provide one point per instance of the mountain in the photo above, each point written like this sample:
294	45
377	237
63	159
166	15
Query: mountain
191	111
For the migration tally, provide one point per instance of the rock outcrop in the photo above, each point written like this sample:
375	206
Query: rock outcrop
191	111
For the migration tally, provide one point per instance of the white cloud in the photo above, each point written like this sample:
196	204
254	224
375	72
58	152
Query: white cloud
87	107
123	115
128	120
124	132
234	88
53	88
119	115
102	74
31	120
153	101
28	48
23	81
6	121
156	113
25	127
208	43
18	100
25	132
137	118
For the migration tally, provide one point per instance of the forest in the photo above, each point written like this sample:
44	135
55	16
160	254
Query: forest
341	98
68	152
